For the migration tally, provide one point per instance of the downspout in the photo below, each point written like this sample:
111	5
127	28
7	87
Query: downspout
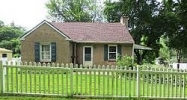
73	53
133	52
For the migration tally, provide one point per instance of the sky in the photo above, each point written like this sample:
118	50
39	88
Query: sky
25	13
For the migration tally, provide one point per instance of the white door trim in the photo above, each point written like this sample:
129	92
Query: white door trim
88	62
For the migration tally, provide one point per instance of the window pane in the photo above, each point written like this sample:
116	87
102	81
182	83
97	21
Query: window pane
45	52
87	57
4	55
112	48
87	50
112	55
45	47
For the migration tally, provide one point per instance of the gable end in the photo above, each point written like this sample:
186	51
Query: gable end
44	22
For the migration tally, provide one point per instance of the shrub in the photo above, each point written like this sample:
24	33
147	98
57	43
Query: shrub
125	61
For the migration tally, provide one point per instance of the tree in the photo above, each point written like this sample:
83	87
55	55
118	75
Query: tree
144	23
9	37
1	23
174	15
73	10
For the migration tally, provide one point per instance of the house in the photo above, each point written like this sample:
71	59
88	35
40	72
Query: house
4	53
77	42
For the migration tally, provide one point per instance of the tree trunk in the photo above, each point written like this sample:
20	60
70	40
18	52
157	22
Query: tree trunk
138	57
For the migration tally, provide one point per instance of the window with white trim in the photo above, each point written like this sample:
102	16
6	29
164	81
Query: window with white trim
112	52
45	52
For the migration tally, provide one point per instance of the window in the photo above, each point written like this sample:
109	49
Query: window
45	52
87	53
4	55
112	52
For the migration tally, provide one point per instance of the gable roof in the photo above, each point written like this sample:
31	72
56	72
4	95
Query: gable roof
95	32
3	50
83	32
37	26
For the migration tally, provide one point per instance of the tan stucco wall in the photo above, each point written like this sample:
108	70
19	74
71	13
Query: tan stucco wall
127	49
46	34
98	53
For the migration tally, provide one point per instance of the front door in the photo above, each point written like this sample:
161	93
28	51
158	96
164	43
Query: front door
87	55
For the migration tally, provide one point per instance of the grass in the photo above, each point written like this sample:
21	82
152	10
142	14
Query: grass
95	84
30	98
83	84
53	98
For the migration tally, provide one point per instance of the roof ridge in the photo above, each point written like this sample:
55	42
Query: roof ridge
89	22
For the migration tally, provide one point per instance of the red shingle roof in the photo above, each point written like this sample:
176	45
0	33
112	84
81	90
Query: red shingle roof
95	32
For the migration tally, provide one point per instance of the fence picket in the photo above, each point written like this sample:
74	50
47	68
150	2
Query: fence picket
1	78
172	88
103	80
108	67
53	79
93	81
39	78
21	80
81	80
58	90
44	80
112	90
67	81
26	80
12	81
62	82
8	84
151	83
16	80
99	80
184	85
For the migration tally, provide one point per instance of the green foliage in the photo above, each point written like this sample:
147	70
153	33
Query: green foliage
144	23
125	61
73	10
113	11
164	51
9	38
174	18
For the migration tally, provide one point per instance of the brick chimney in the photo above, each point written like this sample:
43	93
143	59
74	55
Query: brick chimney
124	21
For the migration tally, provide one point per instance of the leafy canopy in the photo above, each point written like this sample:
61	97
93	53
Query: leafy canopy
9	37
73	10
144	23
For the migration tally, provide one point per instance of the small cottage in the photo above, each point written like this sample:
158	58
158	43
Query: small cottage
4	53
77	42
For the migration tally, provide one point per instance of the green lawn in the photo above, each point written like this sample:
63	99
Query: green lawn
59	83
53	98
30	98
94	84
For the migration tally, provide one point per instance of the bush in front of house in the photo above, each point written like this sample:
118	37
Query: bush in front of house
125	61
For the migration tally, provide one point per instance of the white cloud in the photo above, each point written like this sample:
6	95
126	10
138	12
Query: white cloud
26	13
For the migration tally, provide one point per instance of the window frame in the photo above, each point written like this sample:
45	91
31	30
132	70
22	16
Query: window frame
45	60
4	55
112	52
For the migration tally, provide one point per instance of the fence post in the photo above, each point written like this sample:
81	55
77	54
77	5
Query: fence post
71	79
138	82
1	78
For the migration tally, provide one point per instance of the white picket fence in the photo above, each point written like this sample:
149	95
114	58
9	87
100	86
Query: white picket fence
182	66
12	61
93	82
